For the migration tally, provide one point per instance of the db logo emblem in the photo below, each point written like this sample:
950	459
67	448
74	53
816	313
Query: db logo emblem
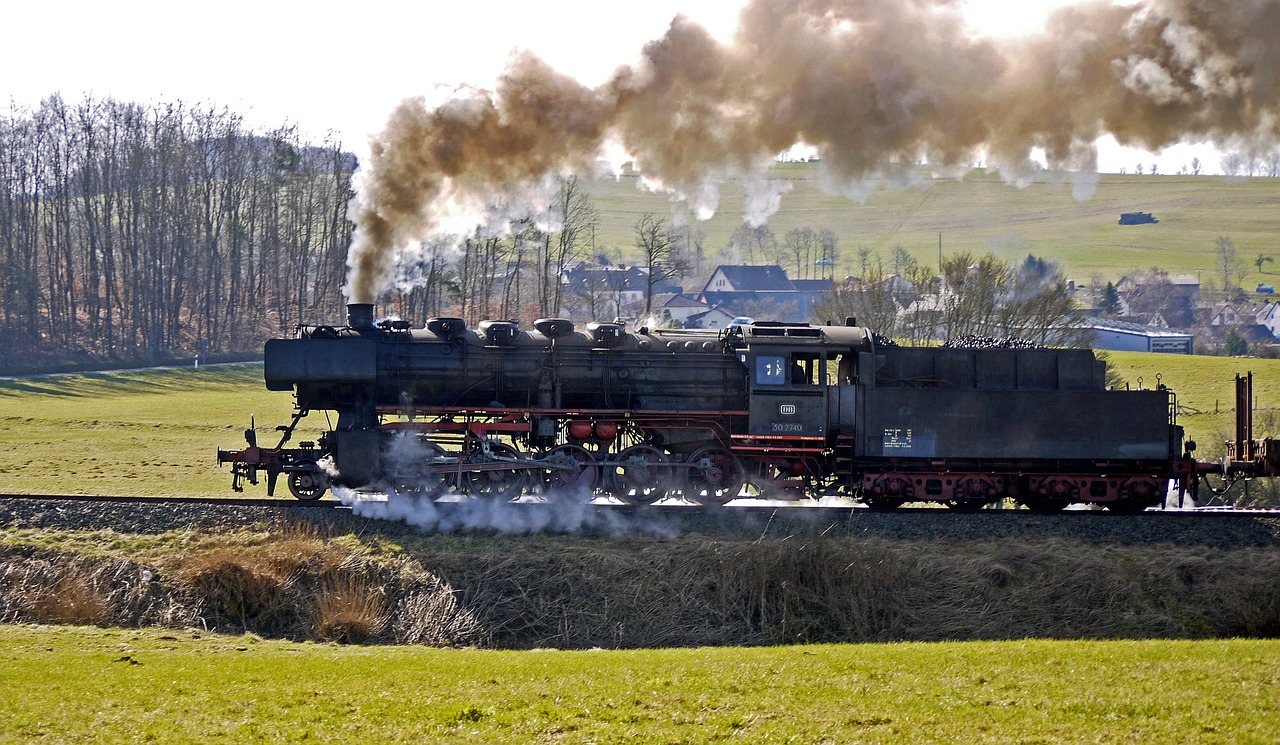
787	409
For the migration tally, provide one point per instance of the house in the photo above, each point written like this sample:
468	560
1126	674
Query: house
1228	314
1172	297
763	291
748	279
1269	318
679	306
1132	337
712	318
612	291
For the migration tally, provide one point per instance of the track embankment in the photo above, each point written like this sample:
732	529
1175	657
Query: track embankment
1224	529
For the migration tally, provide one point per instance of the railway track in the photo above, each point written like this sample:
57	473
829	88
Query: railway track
216	501
741	521
742	505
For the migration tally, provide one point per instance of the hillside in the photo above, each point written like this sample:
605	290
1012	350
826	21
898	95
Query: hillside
981	213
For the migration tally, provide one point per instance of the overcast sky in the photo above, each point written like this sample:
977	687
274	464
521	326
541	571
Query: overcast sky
342	66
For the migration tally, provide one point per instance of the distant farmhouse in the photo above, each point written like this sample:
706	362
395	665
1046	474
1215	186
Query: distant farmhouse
607	292
762	292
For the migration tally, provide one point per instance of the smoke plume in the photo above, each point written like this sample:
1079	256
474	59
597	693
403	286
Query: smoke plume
872	86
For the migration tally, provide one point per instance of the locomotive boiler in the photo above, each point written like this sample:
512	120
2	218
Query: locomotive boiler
783	410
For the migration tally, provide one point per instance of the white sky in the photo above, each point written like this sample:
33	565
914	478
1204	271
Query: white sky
342	66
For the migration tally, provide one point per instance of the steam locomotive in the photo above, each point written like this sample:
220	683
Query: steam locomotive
780	410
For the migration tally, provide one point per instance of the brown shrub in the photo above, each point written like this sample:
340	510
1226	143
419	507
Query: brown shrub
349	609
239	588
73	599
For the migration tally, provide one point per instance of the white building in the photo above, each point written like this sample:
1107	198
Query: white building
1131	337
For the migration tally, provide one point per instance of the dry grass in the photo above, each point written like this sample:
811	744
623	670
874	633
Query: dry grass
349	609
538	592
693	593
72	599
55	587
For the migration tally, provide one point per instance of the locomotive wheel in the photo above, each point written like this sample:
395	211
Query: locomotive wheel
308	485
640	474
716	477
581	480
412	474
501	484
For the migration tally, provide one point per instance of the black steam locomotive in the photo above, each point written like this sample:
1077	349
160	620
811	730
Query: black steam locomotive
769	409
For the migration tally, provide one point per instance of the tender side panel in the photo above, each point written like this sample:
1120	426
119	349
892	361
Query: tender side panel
1063	425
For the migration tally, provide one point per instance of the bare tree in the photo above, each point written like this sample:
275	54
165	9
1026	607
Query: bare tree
575	218
1228	263
800	244
902	260
876	301
1232	163
829	253
864	259
987	297
661	261
757	243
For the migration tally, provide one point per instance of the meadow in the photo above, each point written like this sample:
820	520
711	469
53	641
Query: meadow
979	212
65	684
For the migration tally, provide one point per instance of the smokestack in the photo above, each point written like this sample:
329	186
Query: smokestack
360	315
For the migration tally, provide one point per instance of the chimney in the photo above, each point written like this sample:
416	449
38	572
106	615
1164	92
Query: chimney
360	315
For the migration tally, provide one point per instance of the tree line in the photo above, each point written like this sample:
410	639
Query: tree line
145	232
969	296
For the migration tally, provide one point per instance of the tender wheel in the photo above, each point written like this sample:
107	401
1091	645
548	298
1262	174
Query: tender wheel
576	477
966	505
884	504
1045	504
499	484
640	474
714	478
308	485
1129	507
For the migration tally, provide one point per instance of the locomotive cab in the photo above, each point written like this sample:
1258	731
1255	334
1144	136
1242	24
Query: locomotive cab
802	378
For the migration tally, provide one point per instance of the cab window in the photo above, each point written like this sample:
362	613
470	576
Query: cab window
806	369
771	370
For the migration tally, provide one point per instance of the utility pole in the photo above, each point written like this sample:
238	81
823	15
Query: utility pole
939	252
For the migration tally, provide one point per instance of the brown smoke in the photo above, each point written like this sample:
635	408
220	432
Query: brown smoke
870	84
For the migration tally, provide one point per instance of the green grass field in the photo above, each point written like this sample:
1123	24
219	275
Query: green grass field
157	432
63	684
981	213
141	433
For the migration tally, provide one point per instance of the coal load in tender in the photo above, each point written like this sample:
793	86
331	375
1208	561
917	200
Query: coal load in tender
882	341
973	341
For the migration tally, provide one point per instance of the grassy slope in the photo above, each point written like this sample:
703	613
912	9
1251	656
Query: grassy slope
65	684
147	433
982	213
157	432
